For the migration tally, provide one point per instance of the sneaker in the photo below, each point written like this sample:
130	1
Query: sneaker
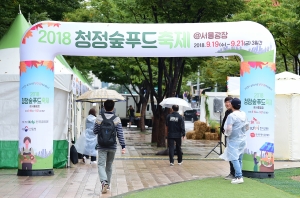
83	159
237	180
171	164
93	162
179	163
229	177
104	186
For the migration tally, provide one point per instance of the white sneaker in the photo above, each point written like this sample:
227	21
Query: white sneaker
237	181
180	163
93	162
171	164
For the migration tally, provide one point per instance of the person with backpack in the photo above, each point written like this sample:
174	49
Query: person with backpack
107	127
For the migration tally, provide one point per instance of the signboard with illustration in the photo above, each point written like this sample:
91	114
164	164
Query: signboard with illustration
256	50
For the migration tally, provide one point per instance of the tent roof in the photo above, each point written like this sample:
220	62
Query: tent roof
286	83
287	76
13	36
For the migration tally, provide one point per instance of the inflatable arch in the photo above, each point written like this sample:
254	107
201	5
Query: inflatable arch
252	42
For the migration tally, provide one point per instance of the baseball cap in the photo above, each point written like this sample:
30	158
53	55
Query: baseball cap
236	103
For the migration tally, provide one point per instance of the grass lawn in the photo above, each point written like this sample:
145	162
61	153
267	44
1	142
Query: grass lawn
281	186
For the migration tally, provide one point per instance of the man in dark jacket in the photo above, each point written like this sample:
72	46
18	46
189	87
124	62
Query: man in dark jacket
176	133
228	106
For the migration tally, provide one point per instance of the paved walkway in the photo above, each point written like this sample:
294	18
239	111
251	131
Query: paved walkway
139	168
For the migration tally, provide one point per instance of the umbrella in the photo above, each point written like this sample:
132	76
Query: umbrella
169	102
100	95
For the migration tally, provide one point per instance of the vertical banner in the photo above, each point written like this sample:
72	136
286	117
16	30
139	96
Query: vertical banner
257	96
36	116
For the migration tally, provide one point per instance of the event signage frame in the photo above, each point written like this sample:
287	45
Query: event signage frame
252	42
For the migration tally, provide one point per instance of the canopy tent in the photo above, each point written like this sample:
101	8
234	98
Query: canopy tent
287	112
9	98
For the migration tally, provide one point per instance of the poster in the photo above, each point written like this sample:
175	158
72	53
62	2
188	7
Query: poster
257	97
36	115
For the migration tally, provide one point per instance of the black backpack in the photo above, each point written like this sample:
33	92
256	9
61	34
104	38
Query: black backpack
107	134
73	155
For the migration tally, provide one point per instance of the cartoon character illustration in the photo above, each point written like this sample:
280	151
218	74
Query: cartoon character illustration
256	162
27	155
268	160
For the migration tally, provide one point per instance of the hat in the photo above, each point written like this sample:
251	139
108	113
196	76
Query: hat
236	103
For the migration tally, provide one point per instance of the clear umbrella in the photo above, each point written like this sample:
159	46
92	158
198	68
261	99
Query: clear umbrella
100	95
169	102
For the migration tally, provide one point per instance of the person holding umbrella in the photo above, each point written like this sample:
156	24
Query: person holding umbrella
176	133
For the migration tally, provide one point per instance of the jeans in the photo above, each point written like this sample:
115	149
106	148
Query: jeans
178	149
105	160
238	164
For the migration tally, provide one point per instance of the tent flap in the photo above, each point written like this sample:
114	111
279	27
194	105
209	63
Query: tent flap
9	154
60	158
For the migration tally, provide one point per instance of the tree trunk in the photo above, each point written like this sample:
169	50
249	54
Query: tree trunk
155	129
143	112
161	142
285	63
296	65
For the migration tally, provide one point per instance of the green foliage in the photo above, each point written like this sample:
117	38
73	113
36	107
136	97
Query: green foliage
38	10
282	19
214	125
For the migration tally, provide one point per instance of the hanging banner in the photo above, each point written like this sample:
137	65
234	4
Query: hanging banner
256	50
36	115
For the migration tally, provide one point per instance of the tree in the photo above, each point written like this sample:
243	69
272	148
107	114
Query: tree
35	10
282	19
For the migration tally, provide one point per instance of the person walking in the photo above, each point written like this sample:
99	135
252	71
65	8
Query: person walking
131	115
85	145
107	127
228	106
176	133
235	128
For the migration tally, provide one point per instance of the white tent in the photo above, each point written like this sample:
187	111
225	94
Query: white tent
287	112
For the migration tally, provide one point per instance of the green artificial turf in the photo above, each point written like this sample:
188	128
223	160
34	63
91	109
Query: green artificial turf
283	180
215	188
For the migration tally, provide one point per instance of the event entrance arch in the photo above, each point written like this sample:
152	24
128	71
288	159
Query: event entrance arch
252	42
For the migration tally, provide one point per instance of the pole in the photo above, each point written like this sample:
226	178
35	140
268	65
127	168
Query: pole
198	83
198	88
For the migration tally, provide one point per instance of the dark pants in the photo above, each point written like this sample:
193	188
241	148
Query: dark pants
178	149
80	156
232	171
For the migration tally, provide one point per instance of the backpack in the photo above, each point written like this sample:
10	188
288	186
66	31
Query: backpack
107	134
73	155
